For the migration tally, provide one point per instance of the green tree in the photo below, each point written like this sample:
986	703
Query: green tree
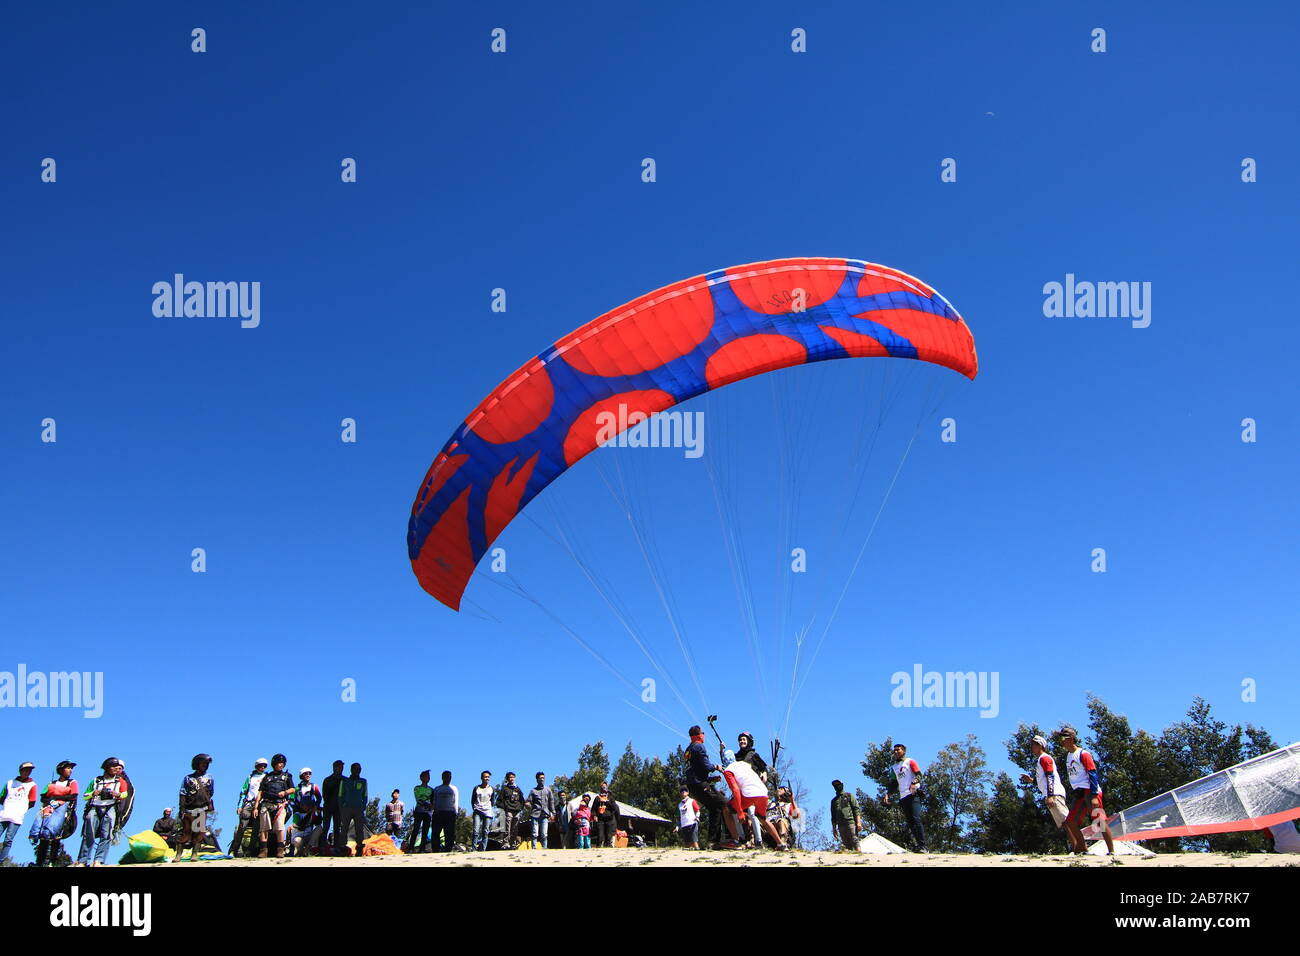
957	782
593	770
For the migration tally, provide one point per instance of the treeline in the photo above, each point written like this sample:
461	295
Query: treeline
969	809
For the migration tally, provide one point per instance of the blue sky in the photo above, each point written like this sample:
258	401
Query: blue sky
522	171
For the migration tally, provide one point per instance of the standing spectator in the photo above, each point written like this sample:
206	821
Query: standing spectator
541	805
908	773
422	815
510	801
329	790
560	832
195	801
604	816
353	794
20	796
699	768
247	808
845	816
273	807
58	816
1085	784
1050	788
481	801
305	833
165	827
688	821
446	805
582	823
394	810
106	795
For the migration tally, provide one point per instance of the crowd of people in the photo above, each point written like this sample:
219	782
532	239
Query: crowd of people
279	816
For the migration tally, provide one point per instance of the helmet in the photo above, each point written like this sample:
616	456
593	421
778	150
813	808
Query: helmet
194	763
747	736
111	762
279	758
69	764
261	760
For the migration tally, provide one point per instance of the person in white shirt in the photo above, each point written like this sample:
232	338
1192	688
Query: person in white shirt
749	798
446	804
1050	787
688	819
908	772
19	797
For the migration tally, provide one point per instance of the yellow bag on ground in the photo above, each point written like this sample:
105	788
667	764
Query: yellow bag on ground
381	845
148	847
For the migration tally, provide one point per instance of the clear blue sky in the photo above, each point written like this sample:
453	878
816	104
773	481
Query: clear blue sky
521	171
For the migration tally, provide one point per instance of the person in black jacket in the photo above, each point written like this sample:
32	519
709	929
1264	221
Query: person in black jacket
329	792
510	801
277	787
165	827
604	817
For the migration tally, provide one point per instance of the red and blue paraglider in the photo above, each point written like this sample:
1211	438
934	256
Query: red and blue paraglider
658	350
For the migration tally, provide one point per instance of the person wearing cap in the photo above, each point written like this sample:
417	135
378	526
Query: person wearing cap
604	816
305	828
20	796
247	807
57	819
908	774
1085	783
846	818
108	792
165	827
699	783
195	801
273	807
1050	788
329	788
482	801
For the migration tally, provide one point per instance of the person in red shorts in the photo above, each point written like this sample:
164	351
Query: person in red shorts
1085	791
749	799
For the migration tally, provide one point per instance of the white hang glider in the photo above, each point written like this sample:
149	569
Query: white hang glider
1263	792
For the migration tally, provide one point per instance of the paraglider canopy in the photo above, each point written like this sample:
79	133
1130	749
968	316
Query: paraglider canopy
645	356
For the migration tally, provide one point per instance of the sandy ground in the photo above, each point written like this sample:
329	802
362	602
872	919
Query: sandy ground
676	857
